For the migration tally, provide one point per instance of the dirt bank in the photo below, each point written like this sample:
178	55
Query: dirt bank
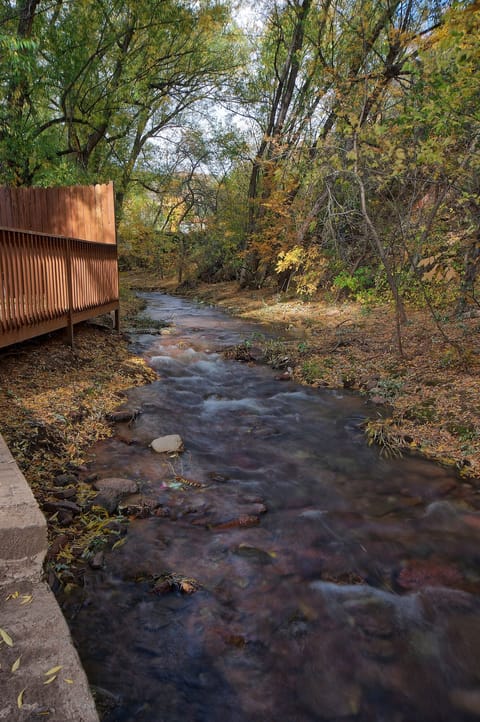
54	403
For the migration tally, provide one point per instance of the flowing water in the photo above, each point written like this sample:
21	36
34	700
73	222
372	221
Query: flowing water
331	584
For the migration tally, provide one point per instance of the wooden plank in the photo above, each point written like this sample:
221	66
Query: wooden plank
3	290
36	292
99	233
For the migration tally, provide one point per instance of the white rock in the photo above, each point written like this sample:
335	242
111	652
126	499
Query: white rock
166	444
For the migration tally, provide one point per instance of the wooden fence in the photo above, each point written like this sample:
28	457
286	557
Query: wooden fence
85	212
50	281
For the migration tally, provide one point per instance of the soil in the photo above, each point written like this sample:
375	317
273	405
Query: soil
54	405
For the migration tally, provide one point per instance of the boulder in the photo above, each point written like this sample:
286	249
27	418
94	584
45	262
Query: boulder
167	444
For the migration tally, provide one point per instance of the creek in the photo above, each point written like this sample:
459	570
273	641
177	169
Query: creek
327	582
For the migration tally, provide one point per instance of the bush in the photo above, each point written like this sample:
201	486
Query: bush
359	284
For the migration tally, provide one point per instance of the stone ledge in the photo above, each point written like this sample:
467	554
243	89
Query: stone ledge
30	615
23	529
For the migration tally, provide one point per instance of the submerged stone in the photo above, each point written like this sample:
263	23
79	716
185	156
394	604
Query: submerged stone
467	700
112	490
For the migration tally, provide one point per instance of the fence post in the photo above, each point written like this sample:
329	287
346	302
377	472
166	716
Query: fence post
70	293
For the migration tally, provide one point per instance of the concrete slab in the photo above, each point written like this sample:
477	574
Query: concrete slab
34	636
23	529
31	617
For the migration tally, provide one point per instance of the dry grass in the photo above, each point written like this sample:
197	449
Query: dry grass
433	393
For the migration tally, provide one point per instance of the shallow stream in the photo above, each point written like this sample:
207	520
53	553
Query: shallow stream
327	583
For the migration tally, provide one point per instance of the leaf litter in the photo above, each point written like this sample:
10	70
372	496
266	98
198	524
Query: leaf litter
54	404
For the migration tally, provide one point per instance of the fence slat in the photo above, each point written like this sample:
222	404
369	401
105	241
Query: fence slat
34	286
85	212
37	226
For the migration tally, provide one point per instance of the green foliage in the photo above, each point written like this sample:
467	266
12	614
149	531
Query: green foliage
311	371
359	284
422	413
387	389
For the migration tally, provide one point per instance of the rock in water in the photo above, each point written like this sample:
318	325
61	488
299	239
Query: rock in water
167	444
112	491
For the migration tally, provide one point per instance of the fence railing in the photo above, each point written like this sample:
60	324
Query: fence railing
85	212
49	282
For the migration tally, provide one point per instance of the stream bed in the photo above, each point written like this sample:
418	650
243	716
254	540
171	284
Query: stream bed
288	572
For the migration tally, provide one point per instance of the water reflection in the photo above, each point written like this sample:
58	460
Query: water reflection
334	584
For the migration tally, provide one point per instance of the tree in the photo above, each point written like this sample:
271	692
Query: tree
113	75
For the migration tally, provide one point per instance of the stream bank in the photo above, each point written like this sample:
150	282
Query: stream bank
432	395
277	568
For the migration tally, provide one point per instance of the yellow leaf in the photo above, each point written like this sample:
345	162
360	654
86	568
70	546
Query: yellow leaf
187	587
20	699
16	664
68	681
6	637
50	679
13	595
119	543
26	599
54	670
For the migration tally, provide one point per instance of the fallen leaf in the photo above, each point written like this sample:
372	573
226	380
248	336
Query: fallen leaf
6	638
13	595
119	543
187	587
20	699
26	599
54	670
67	680
16	665
50	679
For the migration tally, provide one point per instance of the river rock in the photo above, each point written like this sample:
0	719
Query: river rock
65	479
69	493
467	700
64	517
96	562
112	490
327	696
137	505
167	444
418	573
119	416
62	505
